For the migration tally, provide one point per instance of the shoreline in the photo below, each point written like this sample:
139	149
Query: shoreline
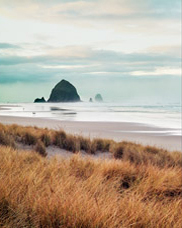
118	131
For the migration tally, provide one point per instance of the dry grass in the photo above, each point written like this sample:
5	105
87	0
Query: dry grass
5	138
141	188
40	148
127	151
40	192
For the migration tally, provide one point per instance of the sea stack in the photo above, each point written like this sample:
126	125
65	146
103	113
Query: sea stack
98	97
64	91
40	100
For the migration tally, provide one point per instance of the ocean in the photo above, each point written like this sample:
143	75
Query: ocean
162	116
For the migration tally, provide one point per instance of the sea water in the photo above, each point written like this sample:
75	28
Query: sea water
163	116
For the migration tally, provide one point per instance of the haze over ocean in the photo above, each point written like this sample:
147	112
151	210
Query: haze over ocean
168	116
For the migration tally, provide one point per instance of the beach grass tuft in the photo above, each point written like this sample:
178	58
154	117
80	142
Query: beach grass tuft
78	192
40	148
128	151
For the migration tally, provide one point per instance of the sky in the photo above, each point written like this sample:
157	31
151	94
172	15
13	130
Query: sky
127	50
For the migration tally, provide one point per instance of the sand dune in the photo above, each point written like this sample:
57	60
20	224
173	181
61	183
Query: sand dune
134	132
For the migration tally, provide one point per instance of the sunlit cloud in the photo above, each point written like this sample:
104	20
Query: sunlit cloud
65	66
158	72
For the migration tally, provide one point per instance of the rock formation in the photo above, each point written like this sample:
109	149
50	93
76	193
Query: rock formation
64	92
40	100
98	97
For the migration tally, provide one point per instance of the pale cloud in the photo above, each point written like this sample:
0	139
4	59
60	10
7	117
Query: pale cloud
67	66
158	72
70	51
67	62
77	54
94	13
173	50
127	25
99	8
110	40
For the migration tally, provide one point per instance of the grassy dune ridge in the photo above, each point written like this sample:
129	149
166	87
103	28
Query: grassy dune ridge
40	138
141	188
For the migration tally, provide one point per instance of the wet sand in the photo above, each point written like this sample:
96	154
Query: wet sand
134	132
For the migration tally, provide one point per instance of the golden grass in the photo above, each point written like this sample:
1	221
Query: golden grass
39	139
86	193
141	188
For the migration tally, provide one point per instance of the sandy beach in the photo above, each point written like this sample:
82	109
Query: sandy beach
138	133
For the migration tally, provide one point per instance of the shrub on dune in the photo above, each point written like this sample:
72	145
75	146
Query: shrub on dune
40	148
102	145
85	144
70	144
28	138
6	139
118	151
139	154
46	139
58	138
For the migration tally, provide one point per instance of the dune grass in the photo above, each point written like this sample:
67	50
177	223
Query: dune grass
40	192
40	138
141	188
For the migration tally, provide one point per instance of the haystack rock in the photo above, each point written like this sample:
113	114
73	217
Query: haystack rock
40	100
98	97
64	91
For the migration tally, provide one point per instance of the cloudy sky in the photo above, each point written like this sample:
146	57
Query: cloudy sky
127	50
